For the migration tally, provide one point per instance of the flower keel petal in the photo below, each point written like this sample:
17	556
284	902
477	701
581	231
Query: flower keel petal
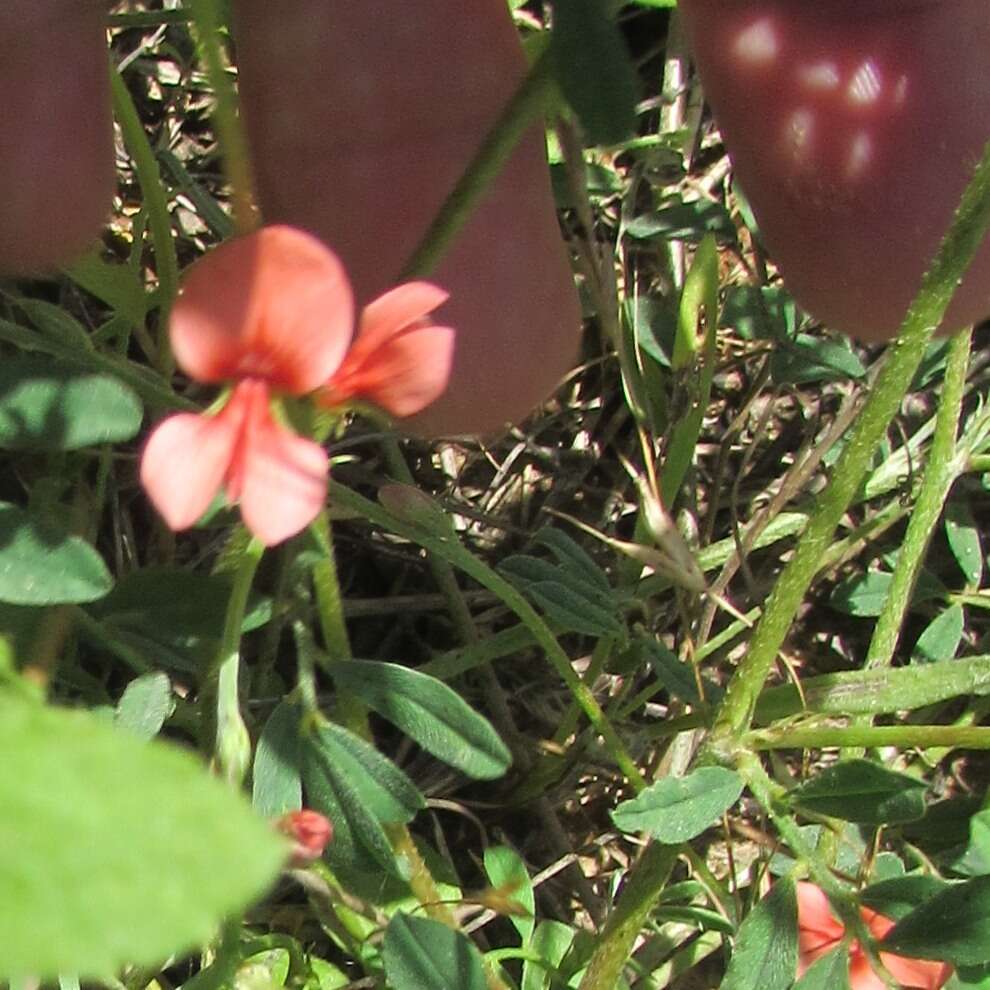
184	464
283	481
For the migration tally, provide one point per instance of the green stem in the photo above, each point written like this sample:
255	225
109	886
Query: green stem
871	736
941	471
644	884
452	551
230	132
233	744
156	203
528	102
893	381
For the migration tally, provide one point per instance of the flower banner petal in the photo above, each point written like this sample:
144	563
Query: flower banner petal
184	464
275	305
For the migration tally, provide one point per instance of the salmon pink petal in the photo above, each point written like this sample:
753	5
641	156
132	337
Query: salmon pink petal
404	375
818	929
275	305
916	974
185	461
282	479
861	975
395	310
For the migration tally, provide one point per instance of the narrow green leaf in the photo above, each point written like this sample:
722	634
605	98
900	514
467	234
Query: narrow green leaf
766	951
41	563
508	874
941	638
864	792
422	954
954	925
963	536
380	785
56	324
115	284
573	558
359	842
573	611
430	713
550	944
114	850
677	809
145	704
276	781
48	406
675	675
865	594
828	972
593	69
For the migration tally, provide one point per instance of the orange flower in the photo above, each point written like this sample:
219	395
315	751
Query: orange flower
310	833
274	311
820	932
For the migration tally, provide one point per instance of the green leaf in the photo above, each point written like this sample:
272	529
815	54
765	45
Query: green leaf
677	809
954	926
508	873
47	406
381	786
963	535
430	713
422	954
675	675
594	70
828	972
573	558
145	704
41	563
865	594
975	857
900	896
117	285
573	610
690	221
114	850
864	792
941	638
359	842
276	782
766	952
551	942
808	359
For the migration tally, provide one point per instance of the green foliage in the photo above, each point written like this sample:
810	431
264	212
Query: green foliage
42	563
830	972
276	780
765	956
863	791
422	954
429	712
114	851
677	809
953	925
593	69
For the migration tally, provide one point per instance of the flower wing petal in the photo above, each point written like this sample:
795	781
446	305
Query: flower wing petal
275	305
184	464
283	481
404	375
392	312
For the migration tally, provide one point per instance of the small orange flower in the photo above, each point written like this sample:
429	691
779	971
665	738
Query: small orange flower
820	932
273	311
310	832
